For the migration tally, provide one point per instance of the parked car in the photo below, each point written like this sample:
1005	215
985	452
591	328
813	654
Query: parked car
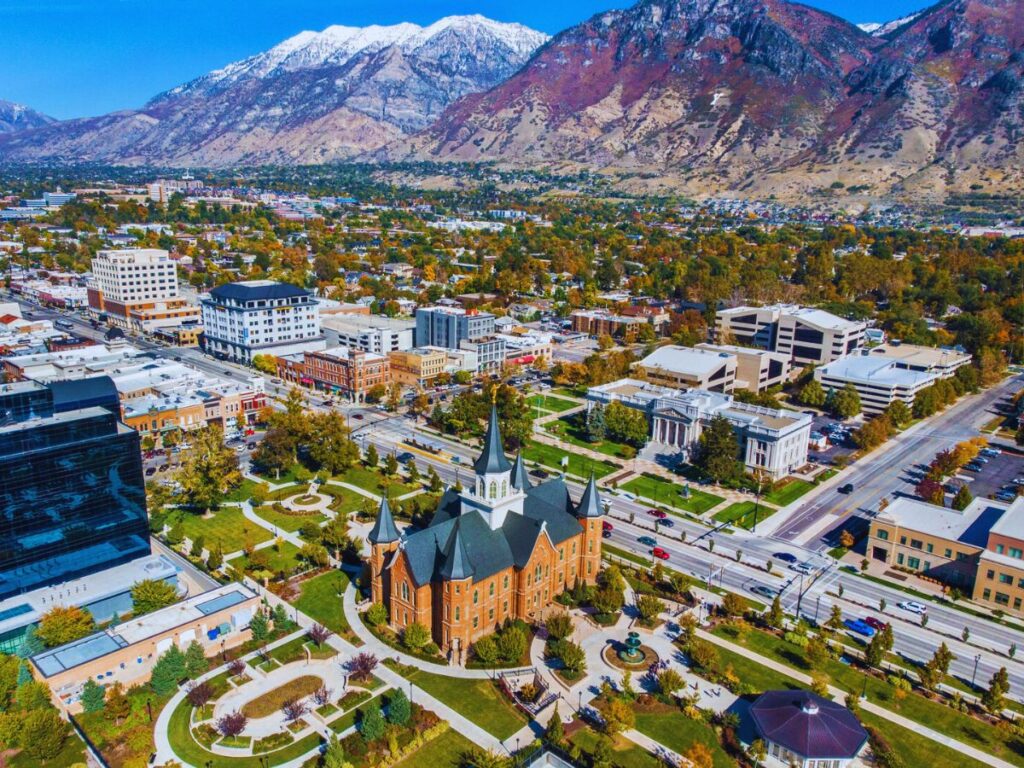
150	471
606	534
973	467
657	513
860	627
606	526
876	624
785	557
659	553
913	606
647	541
847	488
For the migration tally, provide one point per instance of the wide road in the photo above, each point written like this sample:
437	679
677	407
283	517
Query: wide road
886	472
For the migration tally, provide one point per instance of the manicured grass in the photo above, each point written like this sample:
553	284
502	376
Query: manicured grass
227	527
625	754
191	752
570	391
551	457
743	511
478	700
549	403
788	493
446	751
320	599
625	554
285	522
283	557
915	707
347	720
677	732
271	701
916	749
375	482
295	650
287	475
244	491
71	754
671	494
569	429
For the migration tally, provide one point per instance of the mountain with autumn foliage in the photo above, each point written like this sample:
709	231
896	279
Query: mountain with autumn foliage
760	96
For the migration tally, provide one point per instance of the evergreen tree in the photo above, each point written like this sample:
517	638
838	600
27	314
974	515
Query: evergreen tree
555	733
259	628
168	671
775	616
334	755
30	643
215	558
196	662
93	696
595	424
399	708
962	498
280	615
719	449
372	726
372	457
390	465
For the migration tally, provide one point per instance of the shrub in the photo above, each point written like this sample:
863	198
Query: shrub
377	615
232	724
486	650
559	626
399	708
415	636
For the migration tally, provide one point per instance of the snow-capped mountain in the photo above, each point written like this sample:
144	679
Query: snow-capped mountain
18	117
315	97
888	27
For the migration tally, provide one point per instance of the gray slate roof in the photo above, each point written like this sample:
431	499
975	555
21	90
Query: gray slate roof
464	543
384	530
493	459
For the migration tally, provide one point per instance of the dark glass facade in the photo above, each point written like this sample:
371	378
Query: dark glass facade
72	493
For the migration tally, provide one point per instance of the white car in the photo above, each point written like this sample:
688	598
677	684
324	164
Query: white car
913	606
804	568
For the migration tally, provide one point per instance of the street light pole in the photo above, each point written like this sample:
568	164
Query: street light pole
975	672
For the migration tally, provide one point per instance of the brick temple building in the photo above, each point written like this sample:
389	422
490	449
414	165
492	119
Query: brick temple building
501	549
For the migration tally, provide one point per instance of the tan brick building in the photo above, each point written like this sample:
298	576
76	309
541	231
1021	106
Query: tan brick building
417	367
1000	581
501	549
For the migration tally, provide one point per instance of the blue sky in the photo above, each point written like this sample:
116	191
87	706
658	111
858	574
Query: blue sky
71	58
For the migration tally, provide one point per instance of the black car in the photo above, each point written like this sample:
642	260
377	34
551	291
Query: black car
848	488
785	557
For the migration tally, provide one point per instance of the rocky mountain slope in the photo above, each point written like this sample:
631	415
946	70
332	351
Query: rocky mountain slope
316	97
761	95
18	117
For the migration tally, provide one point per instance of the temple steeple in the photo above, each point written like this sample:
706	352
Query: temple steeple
520	480
590	502
384	530
492	460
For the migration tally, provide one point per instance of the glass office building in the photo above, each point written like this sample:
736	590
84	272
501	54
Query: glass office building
72	493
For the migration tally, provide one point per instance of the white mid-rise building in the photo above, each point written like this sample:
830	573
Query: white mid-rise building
890	372
808	336
135	275
674	366
370	333
255	317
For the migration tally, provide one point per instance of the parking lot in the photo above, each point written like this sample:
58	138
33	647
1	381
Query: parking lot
995	474
839	443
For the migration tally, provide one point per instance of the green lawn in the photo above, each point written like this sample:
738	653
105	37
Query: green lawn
551	457
552	404
625	554
227	527
569	429
671	494
916	750
445	751
625	754
914	707
347	720
71	754
788	493
285	522
478	700
375	482
744	509
570	391
677	732
320	599
244	491
271	701
190	752
283	557
286	476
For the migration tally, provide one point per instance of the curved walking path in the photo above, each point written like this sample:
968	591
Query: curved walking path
911	725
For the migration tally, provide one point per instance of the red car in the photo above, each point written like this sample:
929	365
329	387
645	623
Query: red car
659	553
875	624
657	513
606	526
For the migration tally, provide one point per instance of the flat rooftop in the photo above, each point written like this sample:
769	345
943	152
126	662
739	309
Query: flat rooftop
686	360
918	356
349	322
99	644
823	319
970	526
865	369
1011	524
26	608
